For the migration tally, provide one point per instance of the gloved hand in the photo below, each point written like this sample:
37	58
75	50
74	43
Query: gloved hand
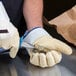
50	49
9	36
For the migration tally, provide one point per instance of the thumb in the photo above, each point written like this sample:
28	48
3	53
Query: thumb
13	52
62	47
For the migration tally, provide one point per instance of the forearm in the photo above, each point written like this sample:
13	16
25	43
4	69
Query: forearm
33	10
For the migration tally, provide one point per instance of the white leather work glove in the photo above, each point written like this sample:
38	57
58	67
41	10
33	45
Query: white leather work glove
9	36
51	52
66	25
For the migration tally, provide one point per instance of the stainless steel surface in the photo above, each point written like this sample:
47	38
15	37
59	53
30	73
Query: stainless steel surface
22	67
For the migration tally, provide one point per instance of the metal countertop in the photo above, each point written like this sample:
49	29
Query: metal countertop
22	67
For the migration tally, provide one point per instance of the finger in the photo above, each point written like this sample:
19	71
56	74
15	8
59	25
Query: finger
62	47
57	56
42	58
50	59
14	43
13	52
35	59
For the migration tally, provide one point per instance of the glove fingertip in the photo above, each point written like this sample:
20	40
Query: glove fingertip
70	52
13	52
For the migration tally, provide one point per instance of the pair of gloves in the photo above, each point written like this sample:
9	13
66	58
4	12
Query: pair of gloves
48	56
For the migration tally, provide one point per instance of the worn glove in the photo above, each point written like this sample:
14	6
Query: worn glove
9	36
66	25
49	49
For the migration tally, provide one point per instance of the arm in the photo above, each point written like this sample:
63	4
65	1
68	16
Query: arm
32	10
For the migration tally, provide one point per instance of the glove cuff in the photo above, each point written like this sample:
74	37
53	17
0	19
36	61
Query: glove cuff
34	34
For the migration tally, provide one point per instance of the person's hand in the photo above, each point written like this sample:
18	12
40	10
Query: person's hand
9	37
49	51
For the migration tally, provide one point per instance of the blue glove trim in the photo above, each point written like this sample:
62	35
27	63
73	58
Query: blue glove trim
22	38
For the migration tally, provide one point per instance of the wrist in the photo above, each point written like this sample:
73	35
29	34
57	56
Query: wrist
30	27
